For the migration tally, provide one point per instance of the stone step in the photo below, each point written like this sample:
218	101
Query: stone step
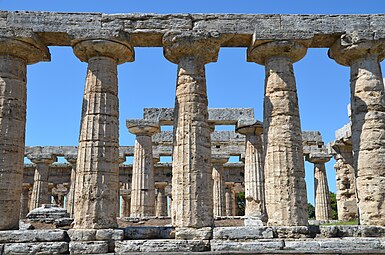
35	248
28	236
165	245
150	232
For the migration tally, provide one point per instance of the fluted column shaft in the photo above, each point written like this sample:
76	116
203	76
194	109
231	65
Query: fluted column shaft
219	206
286	199
345	182
71	193
97	170
161	200
229	202
125	192
191	179
368	122
143	184
24	201
14	56
40	190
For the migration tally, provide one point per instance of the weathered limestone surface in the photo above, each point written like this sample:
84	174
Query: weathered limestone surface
228	199
154	246
15	54
161	199
219	206
286	200
143	183
24	200
97	177
125	192
323	209
362	54
40	192
254	174
88	247
36	248
242	233
70	200
191	180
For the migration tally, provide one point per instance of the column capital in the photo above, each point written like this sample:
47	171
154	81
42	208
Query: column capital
219	159
119	51
318	158
249	127
42	159
161	185
142	127
23	44
295	50
191	44
352	46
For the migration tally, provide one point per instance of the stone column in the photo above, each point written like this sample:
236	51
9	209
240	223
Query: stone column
191	179
126	200
70	202
254	176
15	54
286	199
40	190
143	183
228	197
97	169
24	201
346	182
323	208
161	199
368	120
219	200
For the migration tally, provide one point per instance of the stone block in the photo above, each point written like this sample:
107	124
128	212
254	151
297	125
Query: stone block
135	233
89	247
152	246
242	233
250	246
28	236
82	234
352	231
194	233
44	248
109	234
292	232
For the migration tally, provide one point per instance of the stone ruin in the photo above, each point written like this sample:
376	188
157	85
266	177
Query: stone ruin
197	190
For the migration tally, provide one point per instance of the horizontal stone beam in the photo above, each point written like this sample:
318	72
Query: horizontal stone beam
217	116
147	29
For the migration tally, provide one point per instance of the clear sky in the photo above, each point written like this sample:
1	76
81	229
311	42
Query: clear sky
55	88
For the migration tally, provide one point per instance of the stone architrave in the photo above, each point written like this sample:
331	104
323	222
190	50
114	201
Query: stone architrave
363	55
143	182
228	197
254	176
40	190
323	208
15	55
70	201
97	169
345	182
161	199
24	200
286	198
219	199
191	177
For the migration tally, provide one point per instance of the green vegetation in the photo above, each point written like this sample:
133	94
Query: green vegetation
241	201
311	211
342	223
333	201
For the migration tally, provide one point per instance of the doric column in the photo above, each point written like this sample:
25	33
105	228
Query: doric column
24	200
15	54
286	199
97	169
323	209
40	190
219	200
143	183
368	120
125	192
191	178
161	199
346	182
70	201
254	176
228	197
58	193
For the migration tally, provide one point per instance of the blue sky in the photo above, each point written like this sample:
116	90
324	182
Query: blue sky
55	88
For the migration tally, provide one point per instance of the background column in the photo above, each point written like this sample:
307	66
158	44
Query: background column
70	201
219	200
97	176
161	199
